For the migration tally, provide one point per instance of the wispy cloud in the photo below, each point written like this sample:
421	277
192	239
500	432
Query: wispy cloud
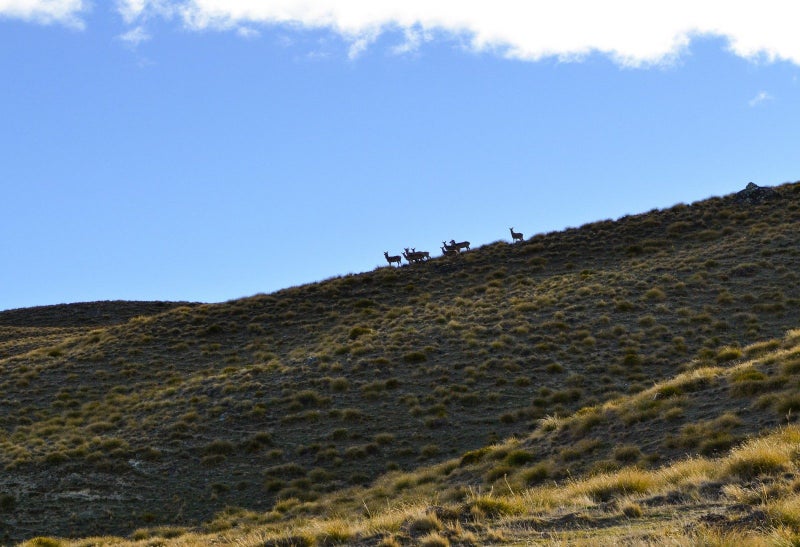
133	11
632	32
414	38
247	32
761	98
135	36
65	12
359	43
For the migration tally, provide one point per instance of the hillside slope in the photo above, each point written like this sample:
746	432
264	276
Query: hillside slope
168	418
743	492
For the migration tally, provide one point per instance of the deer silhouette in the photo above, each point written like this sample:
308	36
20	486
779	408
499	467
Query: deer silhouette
391	259
459	246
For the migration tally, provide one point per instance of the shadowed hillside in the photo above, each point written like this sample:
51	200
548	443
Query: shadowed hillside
118	416
532	490
91	314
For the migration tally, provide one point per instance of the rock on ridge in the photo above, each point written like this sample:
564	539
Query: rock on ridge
754	194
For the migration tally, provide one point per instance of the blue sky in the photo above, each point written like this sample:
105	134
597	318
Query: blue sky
207	150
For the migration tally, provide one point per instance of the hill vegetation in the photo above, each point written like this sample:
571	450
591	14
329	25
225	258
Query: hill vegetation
618	381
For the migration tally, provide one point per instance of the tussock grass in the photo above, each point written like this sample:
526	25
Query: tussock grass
785	511
764	456
607	486
630	487
395	369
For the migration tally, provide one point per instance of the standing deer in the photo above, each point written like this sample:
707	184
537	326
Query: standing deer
422	255
449	247
459	246
449	252
515	236
416	256
391	259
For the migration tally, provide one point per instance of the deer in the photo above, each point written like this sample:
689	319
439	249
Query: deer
449	247
459	246
515	236
421	255
416	256
449	252
391	259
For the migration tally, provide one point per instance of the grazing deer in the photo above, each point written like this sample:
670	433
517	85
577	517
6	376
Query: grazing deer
423	255
449	247
459	246
449	252
416	256
515	236
391	259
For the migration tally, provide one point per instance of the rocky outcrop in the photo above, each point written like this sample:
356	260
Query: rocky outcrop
754	194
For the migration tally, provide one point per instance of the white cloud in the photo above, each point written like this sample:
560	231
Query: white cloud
360	43
761	98
135	36
66	12
414	38
137	10
131	9
633	32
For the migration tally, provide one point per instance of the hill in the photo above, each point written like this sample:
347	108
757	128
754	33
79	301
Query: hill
149	415
510	493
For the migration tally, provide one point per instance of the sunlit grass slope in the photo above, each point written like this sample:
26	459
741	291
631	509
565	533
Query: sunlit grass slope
110	424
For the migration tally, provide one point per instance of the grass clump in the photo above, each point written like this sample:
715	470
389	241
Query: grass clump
474	456
519	457
757	458
357	331
42	541
627	454
632	510
538	473
788	403
434	540
219	446
786	511
495	506
605	487
415	357
728	354
424	523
